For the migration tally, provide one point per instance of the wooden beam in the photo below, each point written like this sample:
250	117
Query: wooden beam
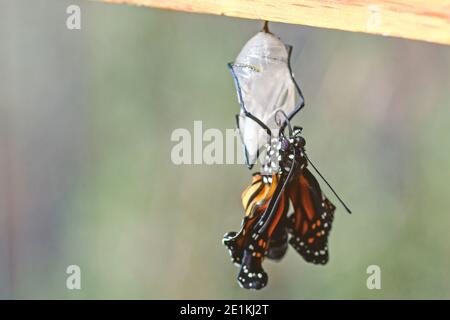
426	20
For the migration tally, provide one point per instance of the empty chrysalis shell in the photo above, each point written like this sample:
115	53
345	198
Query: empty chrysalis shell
265	85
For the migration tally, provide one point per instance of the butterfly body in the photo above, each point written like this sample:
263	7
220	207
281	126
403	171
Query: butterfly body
283	153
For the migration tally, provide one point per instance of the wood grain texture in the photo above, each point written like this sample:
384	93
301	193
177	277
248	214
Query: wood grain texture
426	20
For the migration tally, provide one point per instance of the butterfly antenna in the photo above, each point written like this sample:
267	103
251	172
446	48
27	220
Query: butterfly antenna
329	186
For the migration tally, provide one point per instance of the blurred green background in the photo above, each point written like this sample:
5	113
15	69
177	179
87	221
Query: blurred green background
86	177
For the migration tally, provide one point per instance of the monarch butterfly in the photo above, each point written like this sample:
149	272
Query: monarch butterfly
284	180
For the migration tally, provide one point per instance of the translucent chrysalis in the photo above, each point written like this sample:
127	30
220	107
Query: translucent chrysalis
265	85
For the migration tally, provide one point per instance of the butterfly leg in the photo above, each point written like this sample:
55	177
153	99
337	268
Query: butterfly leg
273	226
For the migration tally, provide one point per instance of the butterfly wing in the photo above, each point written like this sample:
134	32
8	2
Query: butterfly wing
278	243
310	224
255	199
249	246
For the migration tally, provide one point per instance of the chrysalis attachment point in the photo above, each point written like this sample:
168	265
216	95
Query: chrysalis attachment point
266	27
